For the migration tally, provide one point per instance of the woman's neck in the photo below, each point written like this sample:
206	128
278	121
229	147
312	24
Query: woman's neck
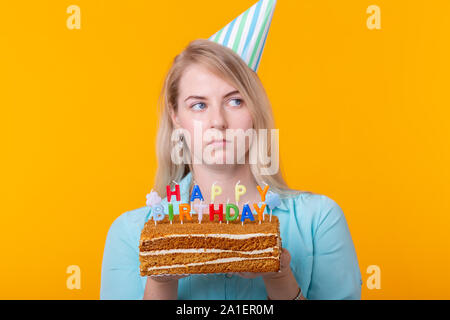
226	177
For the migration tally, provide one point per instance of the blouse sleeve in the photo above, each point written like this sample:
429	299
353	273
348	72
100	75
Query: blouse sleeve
120	277
335	272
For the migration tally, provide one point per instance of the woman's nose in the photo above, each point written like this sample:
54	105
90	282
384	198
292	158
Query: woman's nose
217	118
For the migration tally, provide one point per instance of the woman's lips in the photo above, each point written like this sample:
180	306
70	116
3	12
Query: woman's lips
218	142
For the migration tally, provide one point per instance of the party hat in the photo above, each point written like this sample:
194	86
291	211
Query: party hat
246	35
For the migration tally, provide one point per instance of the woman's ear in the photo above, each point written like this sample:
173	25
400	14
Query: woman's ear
174	117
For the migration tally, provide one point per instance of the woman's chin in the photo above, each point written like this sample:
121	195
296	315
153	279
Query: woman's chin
219	156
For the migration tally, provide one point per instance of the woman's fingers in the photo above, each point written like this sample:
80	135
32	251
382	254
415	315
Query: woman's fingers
168	277
247	275
285	258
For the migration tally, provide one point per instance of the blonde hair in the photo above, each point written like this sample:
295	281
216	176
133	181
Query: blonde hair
227	64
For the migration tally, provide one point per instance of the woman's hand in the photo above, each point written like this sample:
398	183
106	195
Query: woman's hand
285	260
280	285
162	287
164	278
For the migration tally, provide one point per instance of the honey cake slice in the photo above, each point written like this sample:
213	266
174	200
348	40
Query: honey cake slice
209	247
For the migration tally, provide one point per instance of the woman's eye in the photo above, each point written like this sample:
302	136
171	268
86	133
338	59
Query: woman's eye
198	106
236	102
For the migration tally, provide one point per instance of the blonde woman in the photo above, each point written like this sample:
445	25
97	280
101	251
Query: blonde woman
209	85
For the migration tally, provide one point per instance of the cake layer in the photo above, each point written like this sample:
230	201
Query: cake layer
261	241
164	227
152	259
219	266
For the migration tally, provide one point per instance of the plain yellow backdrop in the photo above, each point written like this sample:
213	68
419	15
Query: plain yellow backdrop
363	116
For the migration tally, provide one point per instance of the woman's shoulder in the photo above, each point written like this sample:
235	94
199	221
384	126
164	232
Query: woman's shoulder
316	201
130	221
315	207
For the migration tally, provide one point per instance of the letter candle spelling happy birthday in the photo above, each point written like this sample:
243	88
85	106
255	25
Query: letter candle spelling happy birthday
170	193
270	200
197	194
215	191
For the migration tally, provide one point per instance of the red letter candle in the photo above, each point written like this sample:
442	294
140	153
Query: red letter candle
212	212
176	192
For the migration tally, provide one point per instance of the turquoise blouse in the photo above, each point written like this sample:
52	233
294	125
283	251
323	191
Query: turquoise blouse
313	229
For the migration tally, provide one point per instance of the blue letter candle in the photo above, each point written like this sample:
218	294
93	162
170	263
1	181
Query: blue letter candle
247	213
157	213
196	194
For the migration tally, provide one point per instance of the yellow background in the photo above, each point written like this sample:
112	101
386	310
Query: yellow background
363	115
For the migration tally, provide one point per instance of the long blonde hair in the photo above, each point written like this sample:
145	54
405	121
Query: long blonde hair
226	63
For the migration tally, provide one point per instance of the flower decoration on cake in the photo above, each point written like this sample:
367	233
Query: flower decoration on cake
153	199
273	200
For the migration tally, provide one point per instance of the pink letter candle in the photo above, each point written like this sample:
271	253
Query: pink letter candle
199	208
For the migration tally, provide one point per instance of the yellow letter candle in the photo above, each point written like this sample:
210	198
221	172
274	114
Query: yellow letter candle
215	191
239	190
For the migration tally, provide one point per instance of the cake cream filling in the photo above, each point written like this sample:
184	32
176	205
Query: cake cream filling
217	261
172	251
218	235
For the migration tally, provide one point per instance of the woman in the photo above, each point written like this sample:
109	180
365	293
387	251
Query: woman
211	86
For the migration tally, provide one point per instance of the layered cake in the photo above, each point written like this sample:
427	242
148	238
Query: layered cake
209	247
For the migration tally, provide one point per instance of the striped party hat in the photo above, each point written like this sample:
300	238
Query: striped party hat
246	35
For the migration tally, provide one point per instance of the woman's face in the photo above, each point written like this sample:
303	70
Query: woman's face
209	101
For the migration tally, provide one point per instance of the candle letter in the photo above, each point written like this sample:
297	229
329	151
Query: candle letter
176	193
196	194
170	212
157	212
212	212
199	208
215	191
247	213
239	190
228	209
185	210
259	210
263	192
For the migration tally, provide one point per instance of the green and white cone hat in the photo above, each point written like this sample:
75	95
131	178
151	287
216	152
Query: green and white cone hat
246	35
